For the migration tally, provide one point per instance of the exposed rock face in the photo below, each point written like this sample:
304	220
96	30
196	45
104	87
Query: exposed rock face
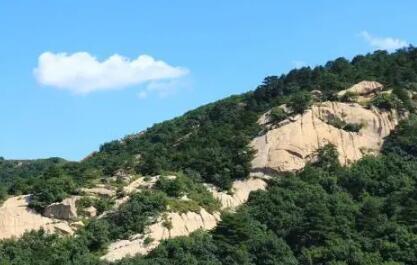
293	143
141	182
123	176
100	190
90	212
240	192
181	224
16	219
77	225
65	210
364	90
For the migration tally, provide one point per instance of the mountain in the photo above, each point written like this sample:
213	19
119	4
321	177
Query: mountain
323	161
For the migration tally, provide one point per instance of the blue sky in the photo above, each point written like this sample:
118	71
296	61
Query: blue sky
71	79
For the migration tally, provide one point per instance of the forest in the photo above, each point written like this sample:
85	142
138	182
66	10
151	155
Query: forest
324	214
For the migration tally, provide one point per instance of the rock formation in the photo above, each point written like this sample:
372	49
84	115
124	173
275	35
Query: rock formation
363	91
90	212
182	224
292	143
16	219
65	210
100	190
239	193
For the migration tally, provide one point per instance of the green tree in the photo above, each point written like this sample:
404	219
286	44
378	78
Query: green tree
300	101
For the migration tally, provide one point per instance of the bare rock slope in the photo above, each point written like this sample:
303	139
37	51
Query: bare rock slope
292	143
182	224
16	219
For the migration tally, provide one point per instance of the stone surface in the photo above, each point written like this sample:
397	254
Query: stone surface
364	91
100	190
77	225
16	219
182	224
294	142
363	88
239	193
65	210
140	182
122	175
90	212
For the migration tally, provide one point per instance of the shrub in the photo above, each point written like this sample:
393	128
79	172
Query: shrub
387	102
172	187
328	158
278	114
353	127
349	97
341	124
300	101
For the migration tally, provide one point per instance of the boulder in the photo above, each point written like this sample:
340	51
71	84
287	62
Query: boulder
363	91
90	212
65	210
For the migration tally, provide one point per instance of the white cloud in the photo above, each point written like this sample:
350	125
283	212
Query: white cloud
387	43
164	88
82	73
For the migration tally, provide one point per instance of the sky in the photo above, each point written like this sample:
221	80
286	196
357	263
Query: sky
75	74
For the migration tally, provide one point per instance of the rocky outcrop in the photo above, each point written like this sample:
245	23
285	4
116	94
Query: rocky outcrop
239	192
173	224
363	91
100	190
16	219
123	176
90	212
363	88
143	182
168	226
293	142
65	210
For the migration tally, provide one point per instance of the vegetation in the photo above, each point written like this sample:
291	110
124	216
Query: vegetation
349	97
387	101
101	204
186	194
325	214
341	124
300	101
278	114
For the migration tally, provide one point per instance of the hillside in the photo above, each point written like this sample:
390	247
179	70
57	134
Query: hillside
334	154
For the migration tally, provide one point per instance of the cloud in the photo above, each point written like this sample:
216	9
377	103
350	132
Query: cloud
82	73
164	88
387	43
